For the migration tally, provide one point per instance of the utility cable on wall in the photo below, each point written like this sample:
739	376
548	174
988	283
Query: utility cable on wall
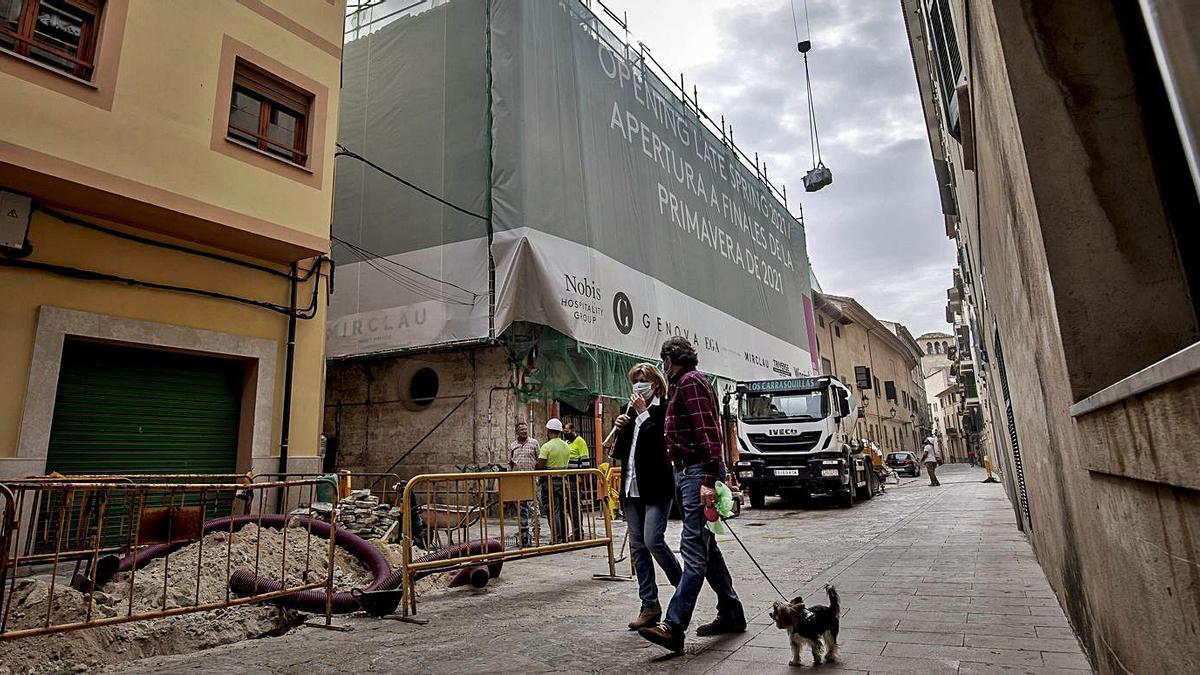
342	151
394	271
309	312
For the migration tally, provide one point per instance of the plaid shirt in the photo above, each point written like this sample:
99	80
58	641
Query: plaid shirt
693	427
523	455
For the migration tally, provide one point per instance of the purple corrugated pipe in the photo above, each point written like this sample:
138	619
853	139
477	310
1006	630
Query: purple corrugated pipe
244	582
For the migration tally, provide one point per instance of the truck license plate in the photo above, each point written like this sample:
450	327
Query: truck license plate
829	472
745	474
787	472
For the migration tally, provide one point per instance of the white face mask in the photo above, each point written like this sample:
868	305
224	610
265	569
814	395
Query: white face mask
643	389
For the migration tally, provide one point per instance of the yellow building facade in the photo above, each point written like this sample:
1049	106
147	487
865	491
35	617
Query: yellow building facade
880	362
166	170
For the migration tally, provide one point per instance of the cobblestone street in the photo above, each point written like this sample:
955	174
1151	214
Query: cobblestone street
932	580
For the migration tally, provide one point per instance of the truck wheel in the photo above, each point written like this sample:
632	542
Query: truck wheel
870	484
757	499
862	493
847	499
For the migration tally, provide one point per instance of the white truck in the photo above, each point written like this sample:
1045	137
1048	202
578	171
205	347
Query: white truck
791	437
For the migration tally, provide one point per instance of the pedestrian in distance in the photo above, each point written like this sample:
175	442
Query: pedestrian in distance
929	457
523	456
555	454
647	487
692	434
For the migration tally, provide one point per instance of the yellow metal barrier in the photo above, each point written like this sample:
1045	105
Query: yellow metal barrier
446	513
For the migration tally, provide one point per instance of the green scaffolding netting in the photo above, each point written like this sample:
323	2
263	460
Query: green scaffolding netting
560	368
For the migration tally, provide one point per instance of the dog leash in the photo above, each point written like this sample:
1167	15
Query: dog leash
751	556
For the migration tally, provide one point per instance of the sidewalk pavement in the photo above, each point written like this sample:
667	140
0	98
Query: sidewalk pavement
954	588
932	580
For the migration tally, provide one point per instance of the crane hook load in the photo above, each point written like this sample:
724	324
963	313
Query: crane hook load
819	175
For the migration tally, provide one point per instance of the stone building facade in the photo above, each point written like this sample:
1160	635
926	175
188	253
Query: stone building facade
1065	141
880	361
936	349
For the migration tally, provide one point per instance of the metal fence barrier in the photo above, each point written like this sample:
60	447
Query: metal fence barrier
112	525
555	511
8	519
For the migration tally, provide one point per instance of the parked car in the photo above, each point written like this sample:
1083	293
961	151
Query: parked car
903	462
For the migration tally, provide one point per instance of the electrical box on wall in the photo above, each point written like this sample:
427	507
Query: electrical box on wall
14	220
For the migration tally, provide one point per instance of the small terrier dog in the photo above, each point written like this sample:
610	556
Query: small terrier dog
816	626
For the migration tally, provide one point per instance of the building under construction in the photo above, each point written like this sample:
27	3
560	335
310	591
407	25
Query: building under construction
527	206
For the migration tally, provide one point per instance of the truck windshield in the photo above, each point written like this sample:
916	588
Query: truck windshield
780	407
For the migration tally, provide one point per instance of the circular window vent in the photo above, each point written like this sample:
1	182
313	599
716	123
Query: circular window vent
423	387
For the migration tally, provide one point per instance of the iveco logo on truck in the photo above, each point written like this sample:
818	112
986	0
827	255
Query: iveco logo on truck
783	431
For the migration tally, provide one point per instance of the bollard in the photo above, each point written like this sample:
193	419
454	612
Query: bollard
987	467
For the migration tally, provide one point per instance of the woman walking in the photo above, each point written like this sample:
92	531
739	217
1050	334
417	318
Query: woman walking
647	487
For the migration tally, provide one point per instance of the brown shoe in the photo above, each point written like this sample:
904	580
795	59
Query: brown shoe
649	616
720	626
663	636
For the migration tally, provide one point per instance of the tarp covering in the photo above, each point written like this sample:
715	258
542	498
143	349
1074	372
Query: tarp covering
413	101
619	219
615	217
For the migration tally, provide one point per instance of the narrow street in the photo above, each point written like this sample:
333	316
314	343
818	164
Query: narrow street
932	580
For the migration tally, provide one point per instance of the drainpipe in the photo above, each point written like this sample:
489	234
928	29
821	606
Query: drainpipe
289	364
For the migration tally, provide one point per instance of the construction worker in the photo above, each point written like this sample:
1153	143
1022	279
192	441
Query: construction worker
577	493
555	454
581	455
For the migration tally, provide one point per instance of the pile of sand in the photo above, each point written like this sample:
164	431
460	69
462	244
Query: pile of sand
92	647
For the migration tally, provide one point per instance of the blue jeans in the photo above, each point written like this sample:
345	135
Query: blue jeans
556	510
528	516
702	560
647	520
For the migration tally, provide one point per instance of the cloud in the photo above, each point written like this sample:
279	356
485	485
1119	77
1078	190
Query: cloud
877	233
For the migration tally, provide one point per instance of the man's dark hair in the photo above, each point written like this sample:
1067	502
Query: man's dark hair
518	425
680	351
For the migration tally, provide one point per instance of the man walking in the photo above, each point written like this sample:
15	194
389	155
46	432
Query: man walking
523	456
555	454
693	440
929	457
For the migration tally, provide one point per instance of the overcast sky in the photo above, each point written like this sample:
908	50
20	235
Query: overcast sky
877	233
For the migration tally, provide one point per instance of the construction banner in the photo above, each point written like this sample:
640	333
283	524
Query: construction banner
619	219
607	209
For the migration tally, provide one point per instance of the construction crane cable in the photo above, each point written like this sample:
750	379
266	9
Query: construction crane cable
813	137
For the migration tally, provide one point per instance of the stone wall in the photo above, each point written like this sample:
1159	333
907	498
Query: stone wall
1117	539
370	411
368	408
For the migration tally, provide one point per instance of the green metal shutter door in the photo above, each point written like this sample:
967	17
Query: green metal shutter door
142	411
